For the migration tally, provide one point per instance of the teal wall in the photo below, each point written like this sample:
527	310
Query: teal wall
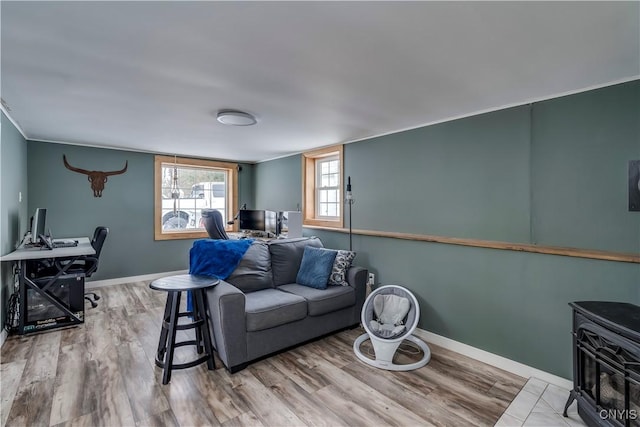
580	156
13	213
126	206
246	185
551	173
278	184
466	178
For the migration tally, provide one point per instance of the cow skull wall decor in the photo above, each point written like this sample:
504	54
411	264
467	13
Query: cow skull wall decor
96	178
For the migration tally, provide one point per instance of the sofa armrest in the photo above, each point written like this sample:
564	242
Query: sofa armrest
227	320
357	279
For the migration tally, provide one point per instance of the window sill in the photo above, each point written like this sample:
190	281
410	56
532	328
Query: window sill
181	235
323	223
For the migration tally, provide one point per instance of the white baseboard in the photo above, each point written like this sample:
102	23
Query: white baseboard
493	359
121	280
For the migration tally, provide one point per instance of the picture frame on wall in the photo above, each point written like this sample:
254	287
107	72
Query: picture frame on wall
634	186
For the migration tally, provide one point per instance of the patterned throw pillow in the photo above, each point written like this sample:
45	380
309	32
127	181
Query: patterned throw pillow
340	266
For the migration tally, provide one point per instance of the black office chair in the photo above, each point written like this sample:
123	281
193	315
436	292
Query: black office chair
87	264
214	224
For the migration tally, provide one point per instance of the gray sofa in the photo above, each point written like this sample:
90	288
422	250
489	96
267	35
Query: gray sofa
260	309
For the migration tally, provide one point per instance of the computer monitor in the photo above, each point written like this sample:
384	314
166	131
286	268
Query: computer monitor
271	222
258	220
38	224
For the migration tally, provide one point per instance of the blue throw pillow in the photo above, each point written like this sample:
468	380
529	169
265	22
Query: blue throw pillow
315	267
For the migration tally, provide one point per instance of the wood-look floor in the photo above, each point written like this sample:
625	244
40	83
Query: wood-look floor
103	374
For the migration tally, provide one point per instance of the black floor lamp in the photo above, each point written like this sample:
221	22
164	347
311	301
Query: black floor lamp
349	201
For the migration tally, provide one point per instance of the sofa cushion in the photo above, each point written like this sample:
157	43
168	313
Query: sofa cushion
270	307
253	273
286	256
321	301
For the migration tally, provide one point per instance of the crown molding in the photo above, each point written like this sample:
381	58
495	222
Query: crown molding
475	113
15	123
135	150
505	106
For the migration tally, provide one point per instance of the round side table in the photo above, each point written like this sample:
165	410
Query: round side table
174	286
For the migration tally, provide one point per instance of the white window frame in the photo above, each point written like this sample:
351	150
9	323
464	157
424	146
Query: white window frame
320	189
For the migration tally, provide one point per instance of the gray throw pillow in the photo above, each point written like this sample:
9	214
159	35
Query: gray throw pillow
254	271
341	265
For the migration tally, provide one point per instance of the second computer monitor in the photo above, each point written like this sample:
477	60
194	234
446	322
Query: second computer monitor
258	220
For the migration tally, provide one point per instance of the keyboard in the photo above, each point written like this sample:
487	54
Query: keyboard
65	243
31	246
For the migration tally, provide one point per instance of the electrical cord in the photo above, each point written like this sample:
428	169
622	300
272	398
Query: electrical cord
11	322
406	347
13	305
409	349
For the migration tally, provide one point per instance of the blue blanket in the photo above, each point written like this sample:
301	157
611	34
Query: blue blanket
215	258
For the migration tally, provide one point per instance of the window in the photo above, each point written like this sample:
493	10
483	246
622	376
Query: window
328	188
183	187
322	175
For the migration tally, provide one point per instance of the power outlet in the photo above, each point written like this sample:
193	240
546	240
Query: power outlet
372	279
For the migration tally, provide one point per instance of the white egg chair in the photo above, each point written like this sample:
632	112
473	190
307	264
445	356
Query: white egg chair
389	316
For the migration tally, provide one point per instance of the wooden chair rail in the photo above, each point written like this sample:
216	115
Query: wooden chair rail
493	244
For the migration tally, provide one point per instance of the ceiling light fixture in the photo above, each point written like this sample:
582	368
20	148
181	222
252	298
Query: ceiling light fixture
236	118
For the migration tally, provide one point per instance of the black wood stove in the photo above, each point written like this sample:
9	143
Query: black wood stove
606	363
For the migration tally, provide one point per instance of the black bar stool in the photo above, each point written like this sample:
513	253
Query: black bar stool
174	286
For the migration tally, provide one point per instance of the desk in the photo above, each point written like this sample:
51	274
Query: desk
236	235
84	248
45	286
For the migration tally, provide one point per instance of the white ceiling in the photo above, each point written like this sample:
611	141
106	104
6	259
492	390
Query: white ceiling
151	76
